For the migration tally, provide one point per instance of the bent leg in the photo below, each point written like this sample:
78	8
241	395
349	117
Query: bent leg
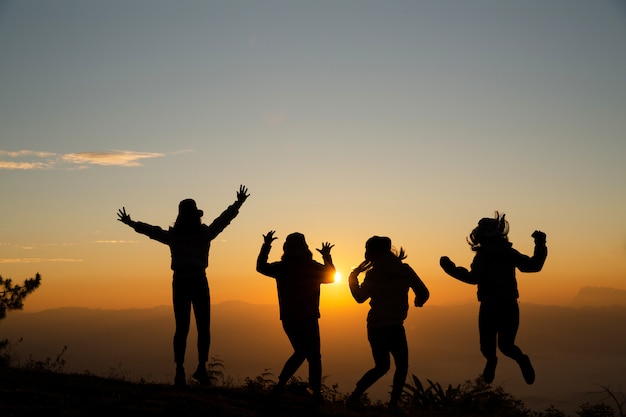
294	332
400	351
380	352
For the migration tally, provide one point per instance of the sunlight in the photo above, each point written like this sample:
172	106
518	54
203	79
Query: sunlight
337	276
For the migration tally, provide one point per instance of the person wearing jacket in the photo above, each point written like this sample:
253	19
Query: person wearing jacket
493	271
189	241
298	278
386	284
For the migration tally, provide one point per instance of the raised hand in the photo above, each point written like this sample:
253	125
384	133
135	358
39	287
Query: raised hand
539	236
363	266
269	237
242	194
123	217
326	247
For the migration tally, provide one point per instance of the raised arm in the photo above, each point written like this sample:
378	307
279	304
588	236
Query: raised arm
224	219
262	265
329	275
359	292
153	232
534	263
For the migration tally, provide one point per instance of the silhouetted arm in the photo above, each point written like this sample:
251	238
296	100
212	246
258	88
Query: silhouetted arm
153	232
458	272
262	266
359	292
535	263
329	273
417	285
219	224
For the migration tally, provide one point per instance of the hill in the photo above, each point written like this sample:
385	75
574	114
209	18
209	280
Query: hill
37	392
600	296
574	349
40	392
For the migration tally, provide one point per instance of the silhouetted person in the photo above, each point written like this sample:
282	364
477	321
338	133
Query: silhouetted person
386	284
493	270
298	279
189	241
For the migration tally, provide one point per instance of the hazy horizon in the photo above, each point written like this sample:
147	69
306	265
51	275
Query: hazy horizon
443	344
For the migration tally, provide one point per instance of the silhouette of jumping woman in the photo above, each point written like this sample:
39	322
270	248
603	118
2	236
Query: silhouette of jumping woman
189	241
493	271
386	284
298	279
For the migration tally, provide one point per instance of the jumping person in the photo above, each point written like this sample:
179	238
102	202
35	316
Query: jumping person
386	284
493	271
189	241
298	279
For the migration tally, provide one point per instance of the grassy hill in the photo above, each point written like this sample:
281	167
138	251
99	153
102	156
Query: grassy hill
42	392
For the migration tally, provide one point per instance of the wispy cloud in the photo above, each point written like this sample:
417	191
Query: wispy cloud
36	260
32	160
114	242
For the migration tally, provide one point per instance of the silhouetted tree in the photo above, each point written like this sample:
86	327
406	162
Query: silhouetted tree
12	296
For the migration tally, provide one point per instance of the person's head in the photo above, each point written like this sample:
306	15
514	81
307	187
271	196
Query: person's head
489	230
377	246
295	246
188	214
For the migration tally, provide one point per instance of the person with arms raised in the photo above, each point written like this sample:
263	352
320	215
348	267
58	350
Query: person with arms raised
189	241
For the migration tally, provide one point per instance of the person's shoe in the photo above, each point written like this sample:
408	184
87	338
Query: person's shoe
180	380
202	377
317	399
277	392
528	372
395	410
355	403
489	373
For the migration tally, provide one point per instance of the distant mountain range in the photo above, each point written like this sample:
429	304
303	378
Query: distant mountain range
574	349
600	296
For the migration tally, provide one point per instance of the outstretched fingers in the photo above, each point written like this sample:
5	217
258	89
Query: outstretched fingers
123	216
269	237
326	247
242	194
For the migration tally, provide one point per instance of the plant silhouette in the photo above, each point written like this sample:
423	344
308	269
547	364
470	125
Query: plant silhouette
12	296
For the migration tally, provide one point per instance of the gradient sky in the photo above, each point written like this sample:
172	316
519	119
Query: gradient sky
346	119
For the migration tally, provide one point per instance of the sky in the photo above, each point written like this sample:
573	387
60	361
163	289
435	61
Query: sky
345	119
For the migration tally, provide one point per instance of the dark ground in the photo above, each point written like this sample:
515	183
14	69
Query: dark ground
45	393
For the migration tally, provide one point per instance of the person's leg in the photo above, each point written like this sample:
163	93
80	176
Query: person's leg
507	332
488	330
182	311
400	352
314	357
201	301
378	339
310	345
293	331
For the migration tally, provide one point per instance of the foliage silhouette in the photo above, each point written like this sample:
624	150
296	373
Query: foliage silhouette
35	390
12	296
